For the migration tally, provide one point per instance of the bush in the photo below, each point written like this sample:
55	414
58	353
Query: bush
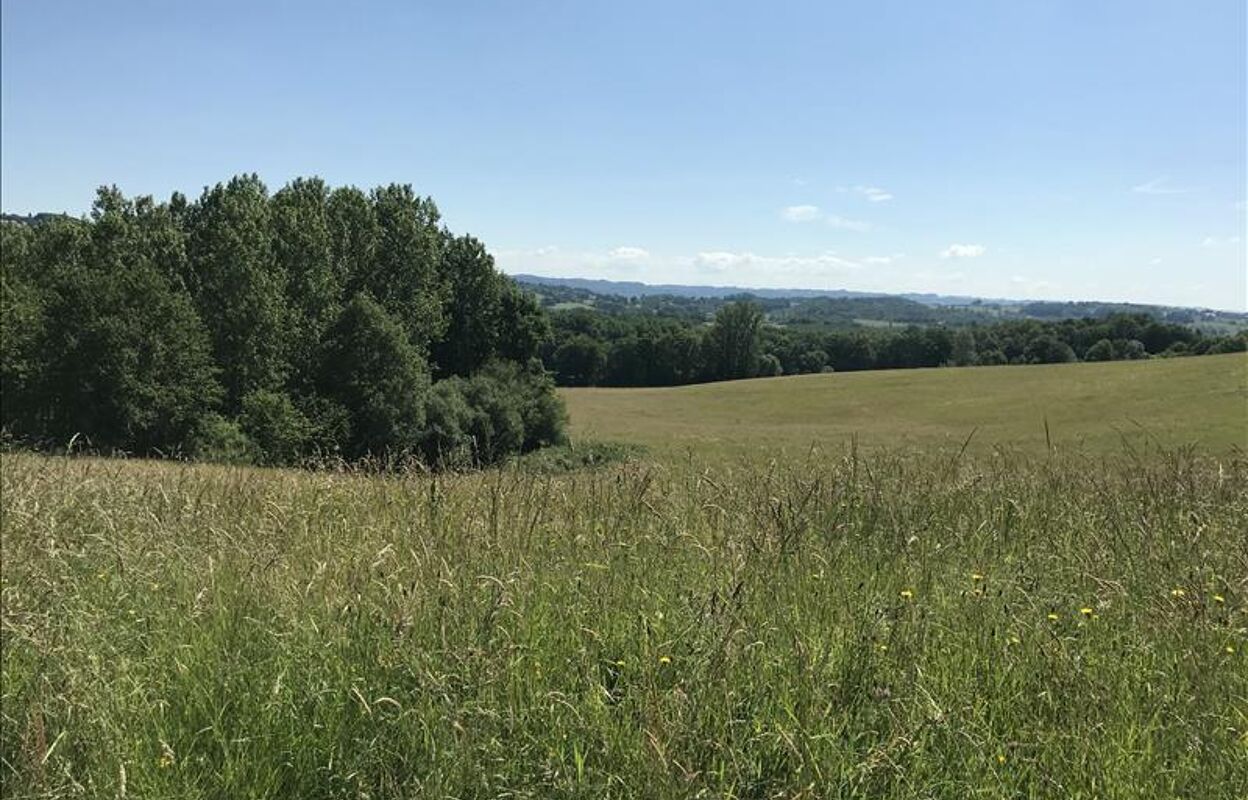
278	429
218	439
447	441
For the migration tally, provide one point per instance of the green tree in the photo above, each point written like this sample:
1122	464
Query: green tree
303	251
579	361
733	341
1102	350
128	359
241	290
473	308
522	325
370	368
1048	349
405	278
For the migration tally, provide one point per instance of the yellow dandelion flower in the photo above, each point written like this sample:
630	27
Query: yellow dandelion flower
907	594
1087	612
1230	649
1015	640
1052	617
620	663
1178	591
1000	758
883	648
1217	598
975	576
665	660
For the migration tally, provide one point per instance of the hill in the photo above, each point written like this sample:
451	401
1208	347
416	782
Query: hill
1174	401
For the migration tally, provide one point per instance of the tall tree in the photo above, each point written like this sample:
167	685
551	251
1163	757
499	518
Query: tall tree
241	291
405	277
733	342
473	308
303	250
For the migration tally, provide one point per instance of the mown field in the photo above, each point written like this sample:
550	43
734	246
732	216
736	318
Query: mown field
1087	407
883	621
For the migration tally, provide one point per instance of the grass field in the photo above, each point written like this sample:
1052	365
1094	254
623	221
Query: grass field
1089	407
835	622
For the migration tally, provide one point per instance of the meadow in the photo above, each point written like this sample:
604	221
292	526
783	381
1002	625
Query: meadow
891	615
1091	408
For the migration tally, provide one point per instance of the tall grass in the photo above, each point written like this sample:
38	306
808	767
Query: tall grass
829	626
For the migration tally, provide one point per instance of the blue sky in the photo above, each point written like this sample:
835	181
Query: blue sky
1013	148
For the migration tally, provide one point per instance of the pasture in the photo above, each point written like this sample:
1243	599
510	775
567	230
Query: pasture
1087	407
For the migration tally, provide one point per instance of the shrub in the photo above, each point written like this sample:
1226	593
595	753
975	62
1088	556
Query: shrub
218	439
279	429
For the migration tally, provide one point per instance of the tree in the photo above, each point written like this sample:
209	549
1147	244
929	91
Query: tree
963	351
473	307
733	342
240	290
370	368
303	251
128	360
405	277
579	361
522	325
1102	350
1048	350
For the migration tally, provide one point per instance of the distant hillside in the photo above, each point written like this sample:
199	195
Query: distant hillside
31	219
586	289
635	289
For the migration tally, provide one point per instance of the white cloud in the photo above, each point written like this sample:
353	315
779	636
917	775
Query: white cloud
801	266
1157	186
1155	261
874	193
1214	241
882	261
800	213
841	223
628	254
814	214
963	251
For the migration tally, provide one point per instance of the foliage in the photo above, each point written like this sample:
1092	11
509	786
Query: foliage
274	329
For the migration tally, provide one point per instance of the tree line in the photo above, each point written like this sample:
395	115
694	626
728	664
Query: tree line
589	348
271	328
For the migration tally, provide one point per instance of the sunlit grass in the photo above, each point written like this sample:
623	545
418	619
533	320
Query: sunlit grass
831	625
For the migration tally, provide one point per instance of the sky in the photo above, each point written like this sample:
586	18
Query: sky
1056	149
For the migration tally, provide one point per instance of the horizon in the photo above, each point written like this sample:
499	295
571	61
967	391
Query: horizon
1040	151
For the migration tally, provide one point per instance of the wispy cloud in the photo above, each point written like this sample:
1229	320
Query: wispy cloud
628	254
800	213
844	224
1214	241
717	261
805	213
963	251
1158	186
873	194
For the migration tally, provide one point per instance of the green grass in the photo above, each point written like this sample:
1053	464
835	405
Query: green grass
828	622
1090	407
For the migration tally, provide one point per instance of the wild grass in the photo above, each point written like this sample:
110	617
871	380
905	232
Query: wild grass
829	625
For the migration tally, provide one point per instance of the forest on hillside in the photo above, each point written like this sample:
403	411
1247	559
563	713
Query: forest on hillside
743	338
271	328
